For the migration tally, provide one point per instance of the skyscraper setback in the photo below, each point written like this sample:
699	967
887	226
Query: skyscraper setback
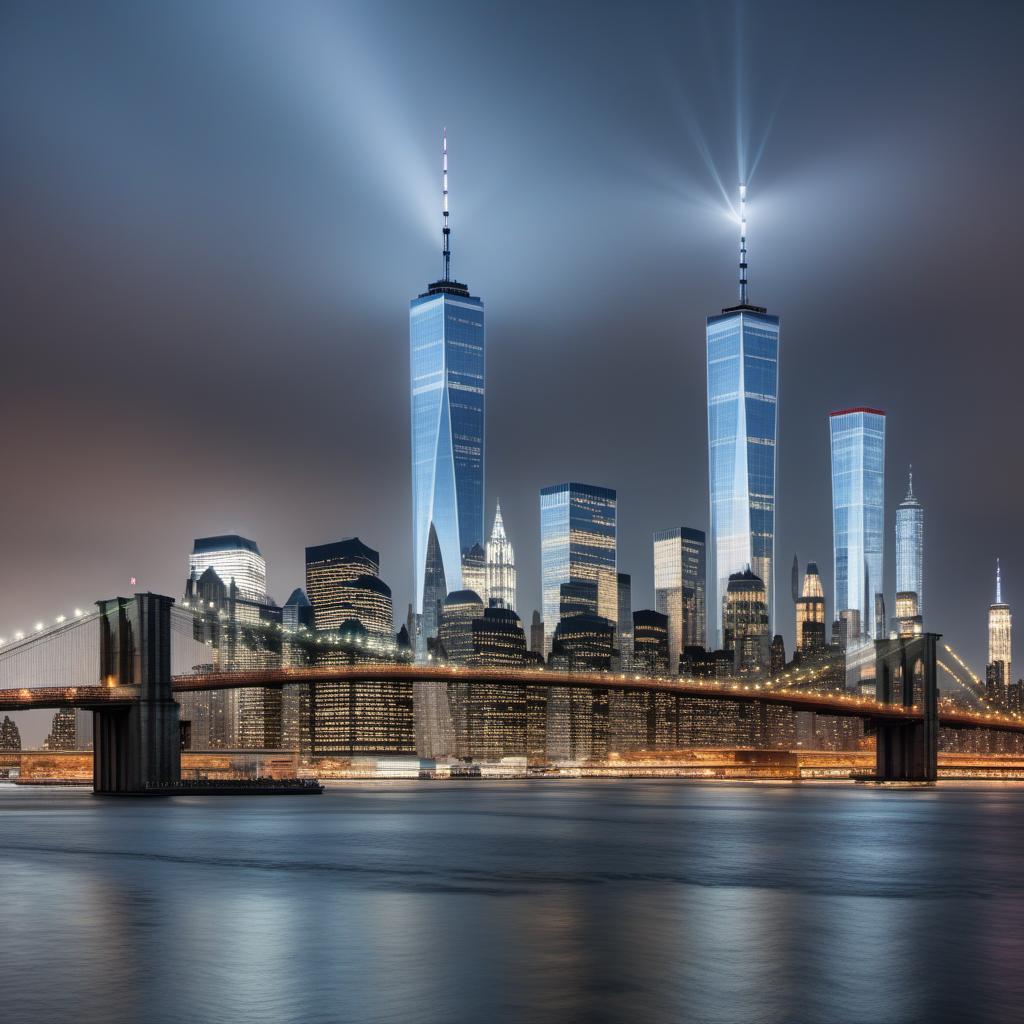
446	349
743	388
858	514
1000	636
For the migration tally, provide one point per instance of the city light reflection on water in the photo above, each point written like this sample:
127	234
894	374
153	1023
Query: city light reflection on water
546	901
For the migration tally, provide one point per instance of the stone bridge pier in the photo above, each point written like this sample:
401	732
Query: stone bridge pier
905	674
137	746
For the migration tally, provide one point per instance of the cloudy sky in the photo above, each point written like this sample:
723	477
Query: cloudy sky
214	216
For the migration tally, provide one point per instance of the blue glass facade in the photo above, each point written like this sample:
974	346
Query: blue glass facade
910	547
858	514
578	545
446	341
743	389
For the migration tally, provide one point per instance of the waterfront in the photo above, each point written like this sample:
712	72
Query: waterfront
604	900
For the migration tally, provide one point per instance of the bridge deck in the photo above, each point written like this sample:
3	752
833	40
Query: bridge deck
846	705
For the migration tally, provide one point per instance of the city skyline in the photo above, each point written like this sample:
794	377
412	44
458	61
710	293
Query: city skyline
690	248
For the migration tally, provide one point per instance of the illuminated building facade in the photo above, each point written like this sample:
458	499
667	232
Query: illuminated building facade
474	571
232	558
745	627
910	547
501	566
624	622
328	568
455	632
810	613
447	363
858	516
367	600
577	527
679	588
537	645
1000	631
10	735
62	731
743	391
651	642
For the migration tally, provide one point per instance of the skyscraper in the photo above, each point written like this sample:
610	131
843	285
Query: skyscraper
577	536
810	613
446	346
624	628
858	515
1000	624
743	388
328	568
501	566
910	546
679	582
232	558
745	622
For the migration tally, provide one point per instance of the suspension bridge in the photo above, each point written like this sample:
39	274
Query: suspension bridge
129	659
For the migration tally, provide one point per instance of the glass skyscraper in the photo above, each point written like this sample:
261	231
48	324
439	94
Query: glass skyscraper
577	537
743	390
858	515
910	547
232	558
679	556
446	347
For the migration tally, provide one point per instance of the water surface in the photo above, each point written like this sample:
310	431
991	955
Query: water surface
554	901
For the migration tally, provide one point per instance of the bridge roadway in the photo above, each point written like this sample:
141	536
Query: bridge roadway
24	699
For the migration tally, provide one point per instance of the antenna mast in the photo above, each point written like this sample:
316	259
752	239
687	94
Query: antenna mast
743	245
446	231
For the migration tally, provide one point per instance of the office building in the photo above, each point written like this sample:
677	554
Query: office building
745	629
624	622
328	568
10	735
1000	631
577	526
858	515
474	571
62	731
742	395
501	566
297	613
810	613
537	645
232	558
910	547
679	586
455	632
447	385
650	642
367	600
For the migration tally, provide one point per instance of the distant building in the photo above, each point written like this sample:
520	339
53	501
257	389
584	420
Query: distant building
578	544
328	568
624	623
537	645
745	622
501	566
62	731
297	612
651	642
679	585
907	621
435	590
858	515
474	571
995	684
577	597
455	632
776	656
910	547
232	558
367	600
1000	630
583	643
10	736
810	613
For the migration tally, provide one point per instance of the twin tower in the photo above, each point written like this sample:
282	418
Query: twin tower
447	364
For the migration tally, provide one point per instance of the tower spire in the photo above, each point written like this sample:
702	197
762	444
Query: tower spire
743	245
910	484
999	584
446	231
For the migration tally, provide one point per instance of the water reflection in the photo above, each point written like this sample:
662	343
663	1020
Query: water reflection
603	901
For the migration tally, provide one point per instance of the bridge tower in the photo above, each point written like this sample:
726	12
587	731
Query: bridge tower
905	674
137	746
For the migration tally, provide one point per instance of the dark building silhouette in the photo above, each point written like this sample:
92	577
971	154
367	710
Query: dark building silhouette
650	642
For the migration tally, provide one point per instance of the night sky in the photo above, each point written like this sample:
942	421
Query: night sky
214	216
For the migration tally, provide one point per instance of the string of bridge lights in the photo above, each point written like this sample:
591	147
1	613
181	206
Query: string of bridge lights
42	627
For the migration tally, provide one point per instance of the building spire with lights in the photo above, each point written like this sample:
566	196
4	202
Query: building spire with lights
999	583
446	231
743	245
